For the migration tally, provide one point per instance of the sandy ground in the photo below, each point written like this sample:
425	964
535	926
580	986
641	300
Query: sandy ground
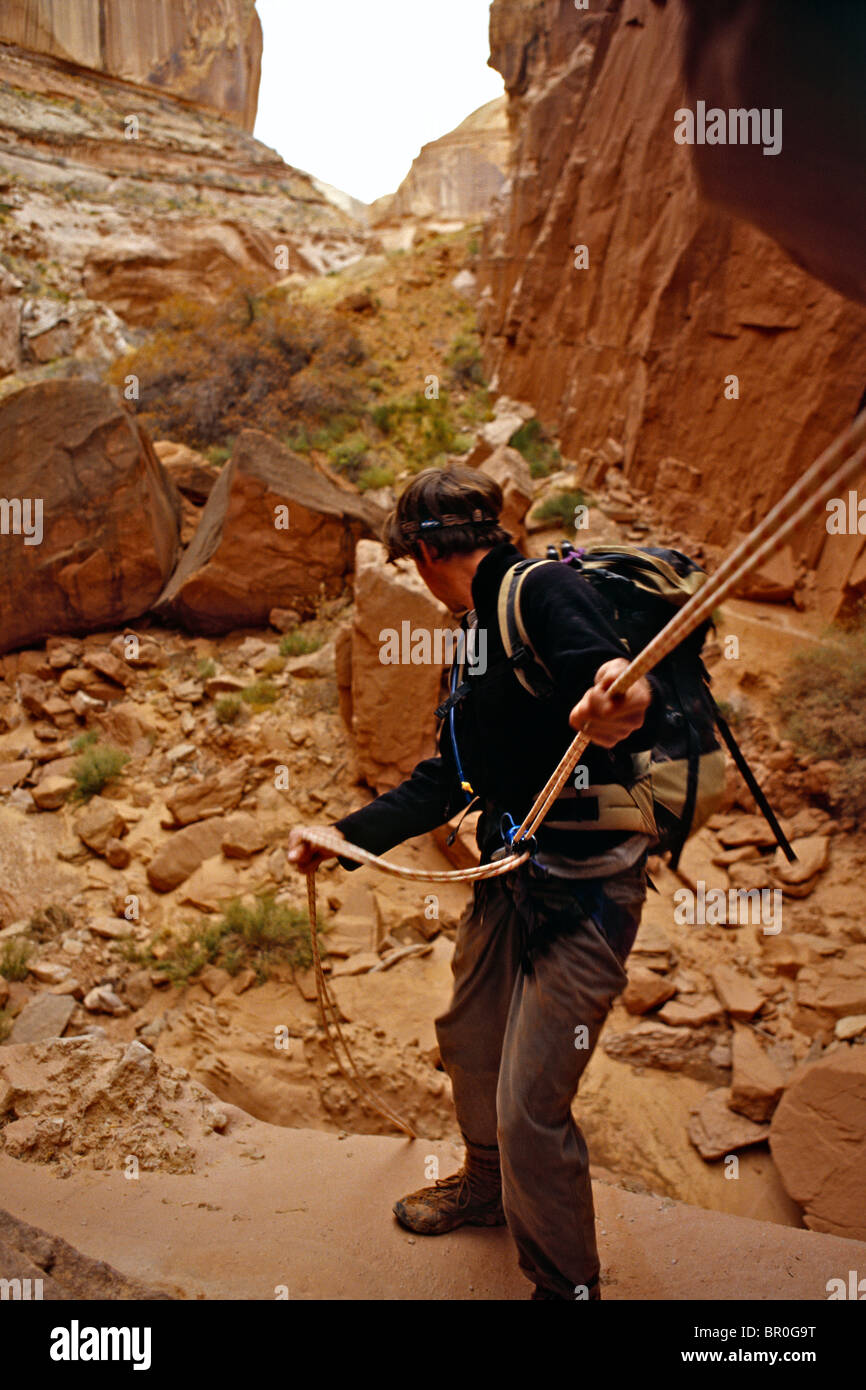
309	1213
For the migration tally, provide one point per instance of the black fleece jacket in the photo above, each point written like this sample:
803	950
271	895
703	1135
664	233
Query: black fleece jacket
509	741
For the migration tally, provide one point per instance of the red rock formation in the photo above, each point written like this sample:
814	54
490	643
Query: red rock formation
806	64
108	536
209	51
273	534
818	1145
392	701
457	176
676	298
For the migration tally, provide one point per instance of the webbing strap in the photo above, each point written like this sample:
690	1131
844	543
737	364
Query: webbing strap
753	784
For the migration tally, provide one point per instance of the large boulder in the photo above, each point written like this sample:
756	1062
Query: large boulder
108	536
210	796
274	533
183	852
818	1142
392	701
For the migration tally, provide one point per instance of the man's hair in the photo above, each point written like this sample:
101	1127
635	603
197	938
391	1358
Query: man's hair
455	510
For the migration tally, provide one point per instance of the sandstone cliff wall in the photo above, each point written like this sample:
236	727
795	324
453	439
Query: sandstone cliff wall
208	51
458	176
676	296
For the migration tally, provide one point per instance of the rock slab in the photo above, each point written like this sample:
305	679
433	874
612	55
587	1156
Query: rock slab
274	533
818	1142
97	503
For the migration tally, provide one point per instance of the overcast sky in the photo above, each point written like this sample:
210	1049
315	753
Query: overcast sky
352	89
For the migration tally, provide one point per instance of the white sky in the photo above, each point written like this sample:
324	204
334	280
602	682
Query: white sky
351	89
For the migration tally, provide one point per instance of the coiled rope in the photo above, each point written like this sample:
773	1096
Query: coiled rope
831	471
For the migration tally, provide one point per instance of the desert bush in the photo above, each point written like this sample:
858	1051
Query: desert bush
258	936
97	766
464	359
560	507
257	358
50	922
260	693
536	446
821	702
273	666
296	643
375	477
227	709
85	740
419	432
14	956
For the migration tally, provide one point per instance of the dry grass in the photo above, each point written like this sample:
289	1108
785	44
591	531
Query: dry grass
822	699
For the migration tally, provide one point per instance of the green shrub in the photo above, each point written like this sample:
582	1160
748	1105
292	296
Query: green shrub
218	454
536	446
464	359
560	507
295	643
227	709
383	416
258	357
206	669
260	693
375	477
298	440
85	740
14	956
259	936
821	702
272	930
273	666
349	456
96	767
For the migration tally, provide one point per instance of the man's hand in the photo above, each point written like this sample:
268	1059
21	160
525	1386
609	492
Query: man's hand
609	719
305	856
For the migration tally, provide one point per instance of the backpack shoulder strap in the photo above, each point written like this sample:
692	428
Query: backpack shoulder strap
515	638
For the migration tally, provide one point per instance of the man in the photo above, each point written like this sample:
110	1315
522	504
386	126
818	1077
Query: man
540	953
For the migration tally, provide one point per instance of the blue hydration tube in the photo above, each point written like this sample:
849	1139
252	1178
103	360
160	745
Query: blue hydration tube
508	827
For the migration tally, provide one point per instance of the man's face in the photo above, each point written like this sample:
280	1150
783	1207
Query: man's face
445	580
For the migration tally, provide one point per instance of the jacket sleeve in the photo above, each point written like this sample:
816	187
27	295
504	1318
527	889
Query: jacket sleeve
571	632
421	803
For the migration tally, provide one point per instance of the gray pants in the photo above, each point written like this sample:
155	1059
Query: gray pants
537	965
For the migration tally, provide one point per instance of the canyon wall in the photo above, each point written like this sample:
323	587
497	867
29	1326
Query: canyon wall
637	337
208	51
458	176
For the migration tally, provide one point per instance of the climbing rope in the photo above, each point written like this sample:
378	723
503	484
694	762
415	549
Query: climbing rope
827	475
329	839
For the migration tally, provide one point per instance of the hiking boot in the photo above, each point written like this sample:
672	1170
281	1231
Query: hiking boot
470	1197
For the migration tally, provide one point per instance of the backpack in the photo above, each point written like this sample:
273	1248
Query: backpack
680	782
